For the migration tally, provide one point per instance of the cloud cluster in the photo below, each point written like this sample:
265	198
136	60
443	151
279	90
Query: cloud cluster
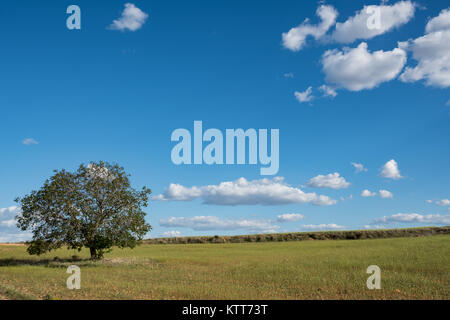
367	23
132	19
331	180
385	194
171	234
244	192
8	229
290	217
208	223
415	218
432	53
329	226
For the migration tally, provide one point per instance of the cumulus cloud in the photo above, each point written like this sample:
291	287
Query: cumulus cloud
304	96
330	226
373	20
29	141
443	202
295	38
207	223
290	217
328	91
439	23
414	218
8	230
367	193
331	180
244	192
432	53
356	69
386	194
171	234
358	167
288	75
390	170
132	19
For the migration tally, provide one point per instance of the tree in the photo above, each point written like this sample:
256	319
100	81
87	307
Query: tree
94	207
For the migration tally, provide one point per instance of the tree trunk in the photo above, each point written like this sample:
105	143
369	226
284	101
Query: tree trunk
93	253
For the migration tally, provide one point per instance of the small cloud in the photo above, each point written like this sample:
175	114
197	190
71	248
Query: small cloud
367	193
171	234
288	75
331	180
414	218
328	91
386	194
443	202
304	96
290	217
429	201
358	167
390	170
29	141
330	226
132	19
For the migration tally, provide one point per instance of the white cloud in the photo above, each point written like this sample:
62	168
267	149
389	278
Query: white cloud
288	75
8	230
363	25
132	19
357	69
244	192
205	223
170	234
330	226
295	38
432	53
290	217
328	91
358	167
443	202
386	194
390	170
367	193
414	218
9	223
304	96
29	141
370	226
331	180
429	201
439	23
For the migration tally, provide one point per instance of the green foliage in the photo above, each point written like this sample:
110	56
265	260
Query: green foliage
94	207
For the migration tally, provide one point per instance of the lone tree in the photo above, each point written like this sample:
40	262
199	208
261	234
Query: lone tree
94	207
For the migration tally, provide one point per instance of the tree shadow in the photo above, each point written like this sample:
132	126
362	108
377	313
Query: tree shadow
52	263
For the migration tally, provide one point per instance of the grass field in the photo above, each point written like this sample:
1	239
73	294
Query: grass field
411	268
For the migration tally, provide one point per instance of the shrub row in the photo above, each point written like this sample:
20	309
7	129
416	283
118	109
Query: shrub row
301	236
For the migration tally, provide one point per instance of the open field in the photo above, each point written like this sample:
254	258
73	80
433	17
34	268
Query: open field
411	268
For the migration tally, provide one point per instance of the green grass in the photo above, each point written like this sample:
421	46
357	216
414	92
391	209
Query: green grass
411	268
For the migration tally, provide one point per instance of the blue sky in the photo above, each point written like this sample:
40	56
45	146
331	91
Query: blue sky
117	93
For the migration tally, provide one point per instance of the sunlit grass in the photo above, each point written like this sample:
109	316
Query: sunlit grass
411	268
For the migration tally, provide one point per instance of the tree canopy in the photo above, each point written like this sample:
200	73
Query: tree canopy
93	207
